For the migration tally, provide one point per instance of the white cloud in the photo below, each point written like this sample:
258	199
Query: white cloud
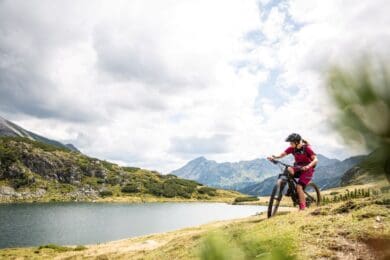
146	82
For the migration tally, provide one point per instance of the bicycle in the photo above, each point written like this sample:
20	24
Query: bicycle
311	191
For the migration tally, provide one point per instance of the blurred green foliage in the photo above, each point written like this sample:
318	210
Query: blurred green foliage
216	246
361	96
239	245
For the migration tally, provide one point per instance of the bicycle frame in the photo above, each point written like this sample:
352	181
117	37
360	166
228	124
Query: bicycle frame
286	177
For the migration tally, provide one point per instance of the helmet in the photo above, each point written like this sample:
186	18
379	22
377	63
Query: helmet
294	138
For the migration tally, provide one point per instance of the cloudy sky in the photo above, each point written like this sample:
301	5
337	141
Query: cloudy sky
155	83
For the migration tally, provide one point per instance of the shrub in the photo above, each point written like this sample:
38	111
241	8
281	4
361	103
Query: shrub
154	187
108	165
23	180
20	182
184	194
92	181
7	157
169	190
114	180
385	189
56	247
80	248
130	188
170	176
100	181
131	169
207	190
178	187
247	198
105	193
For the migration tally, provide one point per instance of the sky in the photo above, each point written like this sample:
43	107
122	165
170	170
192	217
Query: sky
155	84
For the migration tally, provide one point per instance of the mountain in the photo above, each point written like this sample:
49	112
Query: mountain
35	171
374	167
328	174
7	128
257	177
226	175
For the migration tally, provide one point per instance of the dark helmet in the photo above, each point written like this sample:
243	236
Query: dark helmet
296	138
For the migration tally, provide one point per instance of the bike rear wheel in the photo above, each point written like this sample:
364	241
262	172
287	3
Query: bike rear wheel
274	201
312	195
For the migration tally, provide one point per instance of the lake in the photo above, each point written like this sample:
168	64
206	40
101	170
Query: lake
90	223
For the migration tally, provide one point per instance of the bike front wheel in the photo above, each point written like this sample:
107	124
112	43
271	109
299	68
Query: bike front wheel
312	195
274	201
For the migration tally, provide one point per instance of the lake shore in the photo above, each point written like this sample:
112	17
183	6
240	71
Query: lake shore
223	196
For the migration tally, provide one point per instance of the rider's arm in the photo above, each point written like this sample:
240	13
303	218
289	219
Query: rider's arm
311	164
286	152
279	156
314	161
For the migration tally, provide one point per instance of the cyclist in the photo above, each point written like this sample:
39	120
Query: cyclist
305	161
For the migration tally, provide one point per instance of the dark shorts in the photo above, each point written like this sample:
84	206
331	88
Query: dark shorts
304	176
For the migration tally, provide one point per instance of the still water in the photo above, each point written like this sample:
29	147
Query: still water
89	223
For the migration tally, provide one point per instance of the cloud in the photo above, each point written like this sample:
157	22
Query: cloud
151	83
194	146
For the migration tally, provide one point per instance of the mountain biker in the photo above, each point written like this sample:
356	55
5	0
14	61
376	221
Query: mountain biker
305	161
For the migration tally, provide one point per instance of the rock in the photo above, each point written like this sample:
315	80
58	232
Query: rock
40	192
7	191
14	171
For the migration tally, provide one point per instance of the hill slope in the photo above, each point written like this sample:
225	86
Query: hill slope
34	171
371	169
7	128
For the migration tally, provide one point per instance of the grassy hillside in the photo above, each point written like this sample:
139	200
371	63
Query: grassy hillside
34	171
355	229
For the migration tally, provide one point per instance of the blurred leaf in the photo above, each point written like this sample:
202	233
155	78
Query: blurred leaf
361	95
217	247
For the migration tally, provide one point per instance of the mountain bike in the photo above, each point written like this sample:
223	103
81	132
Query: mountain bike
285	179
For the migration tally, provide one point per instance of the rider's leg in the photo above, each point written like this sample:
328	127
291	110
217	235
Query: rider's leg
290	170
301	196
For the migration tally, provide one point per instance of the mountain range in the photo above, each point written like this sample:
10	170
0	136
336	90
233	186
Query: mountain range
8	128
257	177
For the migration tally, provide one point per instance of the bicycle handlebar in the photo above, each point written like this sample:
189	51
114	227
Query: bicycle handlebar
279	162
284	164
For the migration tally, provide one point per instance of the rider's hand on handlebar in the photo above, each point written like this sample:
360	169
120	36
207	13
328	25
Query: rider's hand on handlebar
271	158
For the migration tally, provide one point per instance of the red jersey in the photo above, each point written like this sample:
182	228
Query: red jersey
302	156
